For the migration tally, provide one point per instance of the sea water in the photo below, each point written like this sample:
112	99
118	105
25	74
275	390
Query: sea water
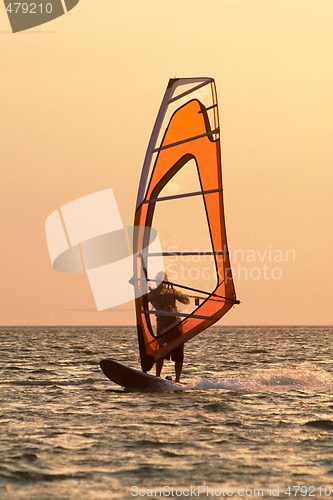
255	418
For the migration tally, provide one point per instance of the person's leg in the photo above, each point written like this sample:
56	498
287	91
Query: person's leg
159	366
178	358
159	363
178	369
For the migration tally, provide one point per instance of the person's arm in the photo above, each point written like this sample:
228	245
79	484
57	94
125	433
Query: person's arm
152	298
181	297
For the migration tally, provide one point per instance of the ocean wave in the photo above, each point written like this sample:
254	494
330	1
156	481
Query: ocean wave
50	383
241	417
44	476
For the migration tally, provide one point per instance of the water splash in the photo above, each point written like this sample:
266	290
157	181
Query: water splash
301	379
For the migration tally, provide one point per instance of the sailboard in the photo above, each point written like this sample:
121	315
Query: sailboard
181	197
135	380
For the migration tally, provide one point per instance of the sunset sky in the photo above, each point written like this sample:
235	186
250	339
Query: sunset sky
78	100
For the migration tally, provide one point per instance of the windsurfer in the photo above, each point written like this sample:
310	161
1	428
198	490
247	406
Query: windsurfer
163	298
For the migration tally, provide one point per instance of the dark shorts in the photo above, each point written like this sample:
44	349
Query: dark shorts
177	354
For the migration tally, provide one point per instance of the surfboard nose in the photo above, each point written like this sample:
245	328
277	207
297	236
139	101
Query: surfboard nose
103	365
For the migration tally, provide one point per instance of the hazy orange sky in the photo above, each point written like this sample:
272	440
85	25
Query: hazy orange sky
78	100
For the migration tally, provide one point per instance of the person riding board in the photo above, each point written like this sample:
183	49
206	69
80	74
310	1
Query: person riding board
163	298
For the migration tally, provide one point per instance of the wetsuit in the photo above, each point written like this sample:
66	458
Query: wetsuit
163	298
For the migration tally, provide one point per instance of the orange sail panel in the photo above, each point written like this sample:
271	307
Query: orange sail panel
180	196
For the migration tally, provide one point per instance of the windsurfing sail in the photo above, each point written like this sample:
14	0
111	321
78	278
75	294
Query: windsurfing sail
180	196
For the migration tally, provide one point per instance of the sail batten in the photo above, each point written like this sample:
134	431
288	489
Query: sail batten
179	254
200	136
185	195
182	315
182	168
